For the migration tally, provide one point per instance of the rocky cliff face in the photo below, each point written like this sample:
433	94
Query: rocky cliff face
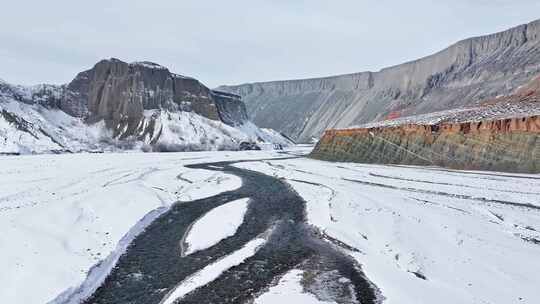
501	135
230	108
505	145
463	74
119	105
117	91
488	148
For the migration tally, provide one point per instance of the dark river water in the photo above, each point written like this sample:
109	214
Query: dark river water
153	265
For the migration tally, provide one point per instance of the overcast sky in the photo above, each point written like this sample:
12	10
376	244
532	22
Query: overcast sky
231	42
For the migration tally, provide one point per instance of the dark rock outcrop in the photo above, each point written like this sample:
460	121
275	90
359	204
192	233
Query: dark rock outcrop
231	109
116	92
119	92
463	74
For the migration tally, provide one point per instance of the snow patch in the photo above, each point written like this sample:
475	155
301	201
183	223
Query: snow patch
149	65
289	290
202	184
213	271
216	225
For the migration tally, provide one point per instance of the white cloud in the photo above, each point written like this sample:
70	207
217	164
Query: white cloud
226	42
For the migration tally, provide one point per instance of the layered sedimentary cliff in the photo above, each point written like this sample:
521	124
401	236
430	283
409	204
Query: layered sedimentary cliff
501	135
504	145
463	74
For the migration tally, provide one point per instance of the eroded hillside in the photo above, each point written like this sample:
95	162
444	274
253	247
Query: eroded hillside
501	134
466	73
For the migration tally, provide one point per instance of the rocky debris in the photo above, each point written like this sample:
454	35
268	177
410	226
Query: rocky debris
244	146
230	108
466	73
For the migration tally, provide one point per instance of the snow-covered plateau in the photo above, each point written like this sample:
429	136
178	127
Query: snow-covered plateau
420	234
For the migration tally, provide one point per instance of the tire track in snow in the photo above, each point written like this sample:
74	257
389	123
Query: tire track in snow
452	195
448	184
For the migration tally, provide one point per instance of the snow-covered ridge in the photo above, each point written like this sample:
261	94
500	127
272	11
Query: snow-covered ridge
149	65
30	94
181	76
32	128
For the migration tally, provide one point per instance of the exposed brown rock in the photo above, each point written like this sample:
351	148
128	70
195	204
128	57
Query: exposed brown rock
119	92
114	90
503	144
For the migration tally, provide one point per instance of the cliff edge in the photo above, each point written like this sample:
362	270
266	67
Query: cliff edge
501	134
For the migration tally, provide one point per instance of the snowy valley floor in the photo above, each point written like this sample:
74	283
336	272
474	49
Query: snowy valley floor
421	235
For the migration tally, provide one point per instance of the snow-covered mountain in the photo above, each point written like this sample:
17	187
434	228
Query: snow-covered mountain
124	106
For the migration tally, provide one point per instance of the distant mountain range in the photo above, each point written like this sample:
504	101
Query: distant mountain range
119	105
464	74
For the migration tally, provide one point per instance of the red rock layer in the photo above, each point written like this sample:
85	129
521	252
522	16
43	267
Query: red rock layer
523	124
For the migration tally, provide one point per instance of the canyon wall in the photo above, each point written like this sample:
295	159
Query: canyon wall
463	74
511	145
